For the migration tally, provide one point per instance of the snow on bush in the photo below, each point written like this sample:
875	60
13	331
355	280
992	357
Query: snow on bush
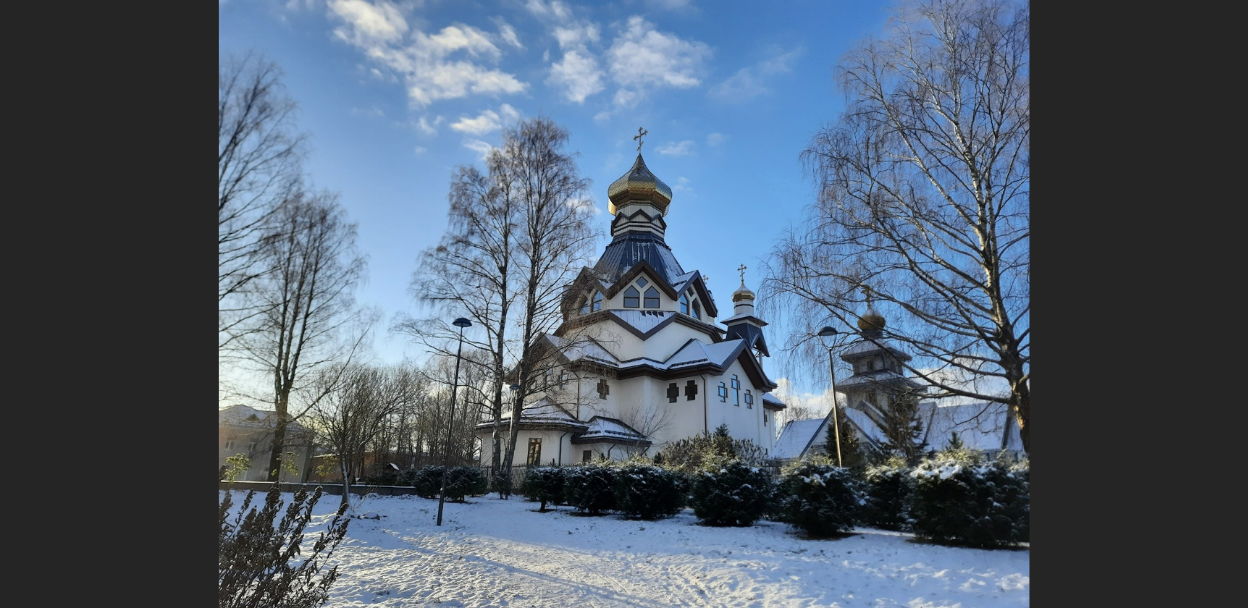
644	491
733	495
259	560
590	487
886	494
965	502
544	484
820	499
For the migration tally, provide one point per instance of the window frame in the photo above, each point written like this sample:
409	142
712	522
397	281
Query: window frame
534	458
635	297
647	298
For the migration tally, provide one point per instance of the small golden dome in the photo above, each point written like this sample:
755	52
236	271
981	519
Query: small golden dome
871	321
742	294
639	184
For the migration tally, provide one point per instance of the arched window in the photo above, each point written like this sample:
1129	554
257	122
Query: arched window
632	299
597	302
652	298
582	306
697	309
684	303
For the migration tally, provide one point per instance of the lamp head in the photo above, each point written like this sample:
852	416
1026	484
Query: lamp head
827	331
461	322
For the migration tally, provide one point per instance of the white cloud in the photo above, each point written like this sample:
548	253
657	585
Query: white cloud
643	58
714	139
368	24
418	150
750	82
507	33
576	36
487	122
478	146
429	127
578	74
433	67
682	185
554	9
679	148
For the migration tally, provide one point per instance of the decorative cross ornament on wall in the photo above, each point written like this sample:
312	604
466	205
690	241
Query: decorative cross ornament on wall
641	132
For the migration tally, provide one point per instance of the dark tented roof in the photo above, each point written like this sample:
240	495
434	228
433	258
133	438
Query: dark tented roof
753	336
631	247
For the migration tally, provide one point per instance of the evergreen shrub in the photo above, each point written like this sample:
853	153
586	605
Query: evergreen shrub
962	502
733	495
644	491
590	487
822	500
544	484
886	494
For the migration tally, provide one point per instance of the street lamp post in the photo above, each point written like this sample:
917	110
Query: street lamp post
828	332
461	323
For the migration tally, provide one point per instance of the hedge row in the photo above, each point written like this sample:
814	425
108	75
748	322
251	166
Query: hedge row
950	498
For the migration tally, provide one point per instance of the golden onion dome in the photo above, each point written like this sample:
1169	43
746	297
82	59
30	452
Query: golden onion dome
640	185
871	321
743	293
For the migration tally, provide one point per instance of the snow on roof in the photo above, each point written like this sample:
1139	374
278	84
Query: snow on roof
695	352
770	398
242	415
602	428
979	425
865	426
543	410
643	320
863	348
583	349
880	376
797	434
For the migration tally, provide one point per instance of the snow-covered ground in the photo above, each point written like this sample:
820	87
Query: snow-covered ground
493	552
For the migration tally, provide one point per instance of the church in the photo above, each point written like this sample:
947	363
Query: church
641	359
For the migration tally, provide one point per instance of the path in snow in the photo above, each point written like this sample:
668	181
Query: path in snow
492	552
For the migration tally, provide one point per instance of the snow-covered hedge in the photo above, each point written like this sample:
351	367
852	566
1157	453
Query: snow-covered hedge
733	495
886	494
544	484
820	499
590	487
647	492
970	503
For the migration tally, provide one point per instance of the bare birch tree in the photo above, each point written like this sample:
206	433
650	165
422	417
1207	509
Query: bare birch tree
471	273
553	240
924	200
306	293
258	167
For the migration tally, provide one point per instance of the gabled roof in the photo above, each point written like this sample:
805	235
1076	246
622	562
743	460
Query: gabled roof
542	413
885	377
796	437
980	425
864	348
604	429
773	402
244	416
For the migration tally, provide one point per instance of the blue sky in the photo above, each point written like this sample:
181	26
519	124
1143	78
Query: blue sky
394	95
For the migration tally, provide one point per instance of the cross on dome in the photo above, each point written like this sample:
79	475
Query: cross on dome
641	132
